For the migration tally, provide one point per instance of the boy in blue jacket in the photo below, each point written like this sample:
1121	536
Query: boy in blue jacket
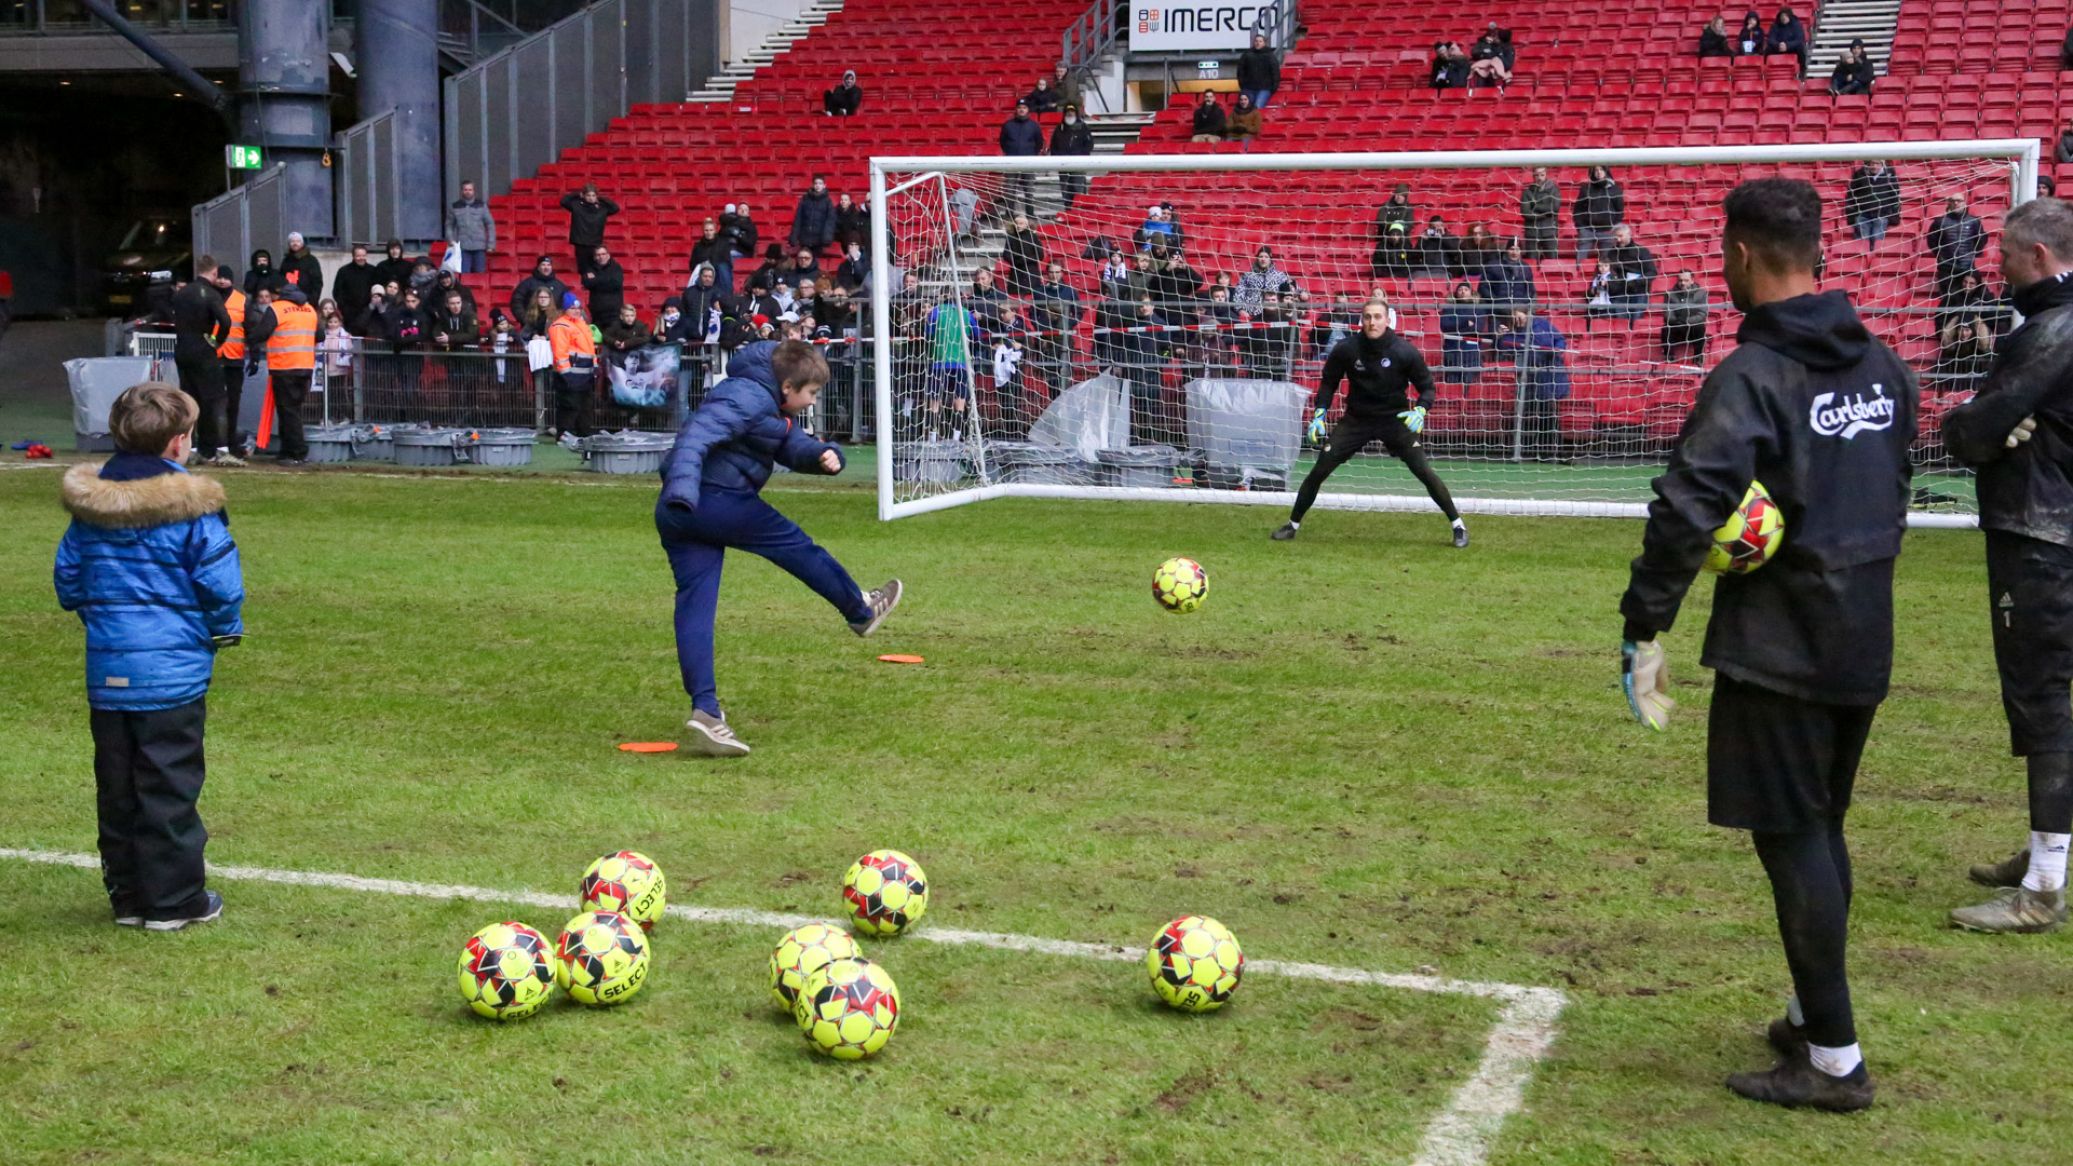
149	565
711	500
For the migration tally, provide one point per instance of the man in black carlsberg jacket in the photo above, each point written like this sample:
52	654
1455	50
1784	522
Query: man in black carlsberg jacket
1822	414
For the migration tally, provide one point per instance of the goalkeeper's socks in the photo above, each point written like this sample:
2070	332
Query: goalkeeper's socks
1835	1062
1294	525
1460	525
1794	1013
2047	861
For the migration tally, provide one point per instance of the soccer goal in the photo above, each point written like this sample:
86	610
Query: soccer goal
1207	287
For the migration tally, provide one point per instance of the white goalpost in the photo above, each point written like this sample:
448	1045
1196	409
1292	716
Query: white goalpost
1182	362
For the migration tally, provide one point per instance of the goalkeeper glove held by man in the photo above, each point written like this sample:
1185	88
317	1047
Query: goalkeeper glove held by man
1645	675
1314	432
1413	418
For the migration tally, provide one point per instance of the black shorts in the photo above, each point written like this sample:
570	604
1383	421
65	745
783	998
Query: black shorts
1776	764
1353	434
2030	596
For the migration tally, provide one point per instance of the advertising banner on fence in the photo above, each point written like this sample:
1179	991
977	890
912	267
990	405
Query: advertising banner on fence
1192	25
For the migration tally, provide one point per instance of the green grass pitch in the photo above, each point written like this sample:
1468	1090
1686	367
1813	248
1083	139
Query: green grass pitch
1366	750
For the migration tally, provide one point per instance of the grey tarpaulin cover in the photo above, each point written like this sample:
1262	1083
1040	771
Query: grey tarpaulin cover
1247	426
96	382
1089	417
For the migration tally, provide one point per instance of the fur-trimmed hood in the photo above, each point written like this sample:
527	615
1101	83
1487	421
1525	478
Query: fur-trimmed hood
153	501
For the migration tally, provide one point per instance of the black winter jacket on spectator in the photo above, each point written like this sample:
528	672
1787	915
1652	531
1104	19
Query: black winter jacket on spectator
1507	283
1377	374
260	273
396	269
1822	414
302	270
1209	119
715	251
1541	203
446	282
405	327
1259	69
1956	239
606	286
813	222
620	336
851	226
587	222
843	100
1021	137
1788	38
853	272
1042	99
1074	140
1599	205
522	295
1715	44
1873	195
1851	77
460	329
742	230
2027	490
350	286
1633	271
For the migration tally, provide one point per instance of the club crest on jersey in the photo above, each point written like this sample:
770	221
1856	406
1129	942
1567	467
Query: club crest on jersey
1833	415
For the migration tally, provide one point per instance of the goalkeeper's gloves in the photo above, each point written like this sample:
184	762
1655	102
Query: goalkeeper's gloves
1413	418
1645	675
1315	430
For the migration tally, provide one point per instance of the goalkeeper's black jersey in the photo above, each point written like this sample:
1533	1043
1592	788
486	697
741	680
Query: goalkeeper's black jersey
1376	373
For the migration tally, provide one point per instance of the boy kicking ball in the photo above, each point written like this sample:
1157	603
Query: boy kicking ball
711	501
149	566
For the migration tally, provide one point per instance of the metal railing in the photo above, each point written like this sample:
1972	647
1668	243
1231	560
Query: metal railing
1096	32
366	177
517	110
232	225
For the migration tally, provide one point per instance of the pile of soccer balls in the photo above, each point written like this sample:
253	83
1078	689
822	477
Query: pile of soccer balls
508	971
846	1005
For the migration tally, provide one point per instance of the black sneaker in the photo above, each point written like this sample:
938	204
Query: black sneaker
1795	1083
291	461
212	908
1460	536
1287	532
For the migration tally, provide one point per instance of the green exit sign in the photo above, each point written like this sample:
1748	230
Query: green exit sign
241	157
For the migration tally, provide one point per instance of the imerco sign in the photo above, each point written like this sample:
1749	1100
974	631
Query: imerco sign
1194	24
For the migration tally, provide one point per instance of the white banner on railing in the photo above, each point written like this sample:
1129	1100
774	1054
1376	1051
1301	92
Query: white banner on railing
1189	25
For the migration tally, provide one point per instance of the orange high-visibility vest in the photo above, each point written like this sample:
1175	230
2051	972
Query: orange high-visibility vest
293	346
233	346
574	350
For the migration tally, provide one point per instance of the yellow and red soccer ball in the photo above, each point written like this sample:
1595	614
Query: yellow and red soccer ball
507	971
1195	963
848	1009
628	882
1750	536
601	958
885	892
802	952
1180	585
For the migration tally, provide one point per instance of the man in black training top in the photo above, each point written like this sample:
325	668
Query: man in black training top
1377	366
1822	414
2019	433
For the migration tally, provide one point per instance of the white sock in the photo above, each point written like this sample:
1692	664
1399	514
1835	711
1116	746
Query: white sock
1294	525
2047	861
1460	525
1835	1062
1793	1012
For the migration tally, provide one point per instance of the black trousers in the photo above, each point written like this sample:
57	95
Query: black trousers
1349	437
202	379
291	389
148	774
585	261
1540	241
574	398
233	401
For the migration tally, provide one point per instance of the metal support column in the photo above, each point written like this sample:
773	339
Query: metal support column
396	51
284	101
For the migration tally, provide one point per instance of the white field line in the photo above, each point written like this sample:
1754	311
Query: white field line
1459	1136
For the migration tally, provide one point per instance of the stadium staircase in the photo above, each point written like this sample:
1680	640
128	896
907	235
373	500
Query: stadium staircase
1842	21
721	88
936	81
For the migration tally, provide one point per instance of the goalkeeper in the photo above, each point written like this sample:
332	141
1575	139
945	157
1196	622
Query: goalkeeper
1822	414
1378	366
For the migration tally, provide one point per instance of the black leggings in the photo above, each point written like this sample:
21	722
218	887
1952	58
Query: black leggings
1810	885
1349	437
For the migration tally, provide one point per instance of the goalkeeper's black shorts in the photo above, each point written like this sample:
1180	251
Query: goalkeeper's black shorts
2030	595
1776	764
1353	434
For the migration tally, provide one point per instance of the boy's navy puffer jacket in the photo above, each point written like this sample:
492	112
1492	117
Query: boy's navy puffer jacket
730	443
150	567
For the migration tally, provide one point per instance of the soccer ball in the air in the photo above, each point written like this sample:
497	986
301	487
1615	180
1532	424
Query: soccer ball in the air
1195	963
848	1009
627	882
1750	536
802	952
507	971
1180	585
602	958
886	892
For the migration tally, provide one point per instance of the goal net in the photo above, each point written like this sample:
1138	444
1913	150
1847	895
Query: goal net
1154	327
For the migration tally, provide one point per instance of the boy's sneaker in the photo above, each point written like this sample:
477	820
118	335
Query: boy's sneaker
2008	872
1795	1083
882	602
711	736
1286	532
125	917
2015	911
212	908
226	458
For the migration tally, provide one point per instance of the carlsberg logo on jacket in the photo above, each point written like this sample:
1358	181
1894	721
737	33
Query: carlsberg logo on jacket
1836	415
